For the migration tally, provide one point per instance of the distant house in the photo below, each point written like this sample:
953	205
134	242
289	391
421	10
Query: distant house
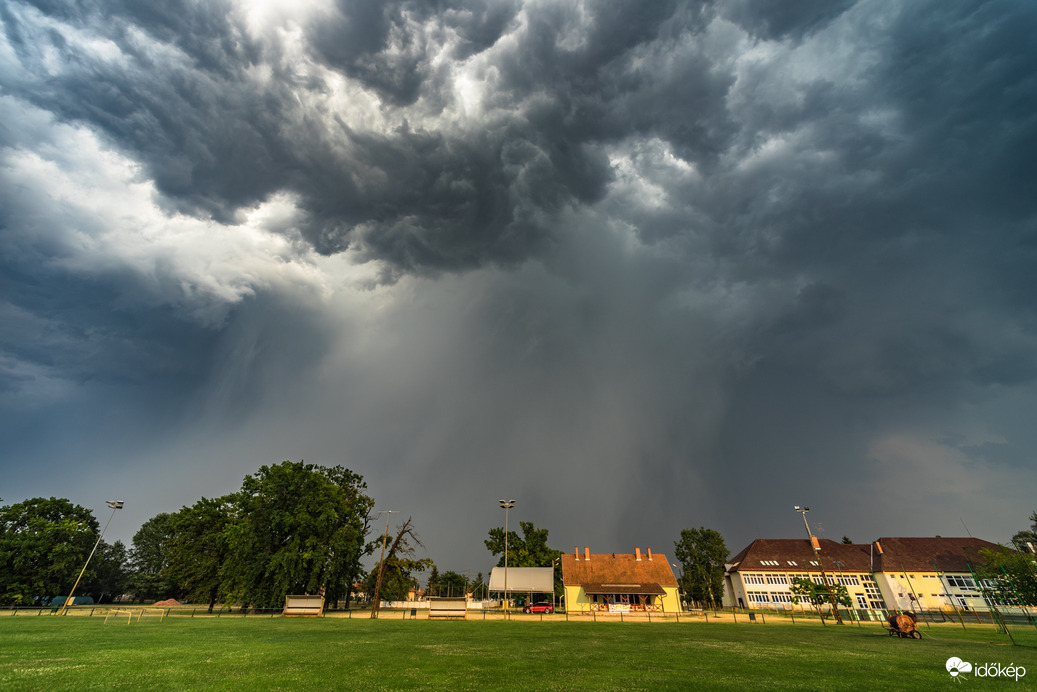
612	582
889	574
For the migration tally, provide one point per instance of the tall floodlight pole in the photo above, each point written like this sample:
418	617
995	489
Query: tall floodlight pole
506	505
817	554
114	505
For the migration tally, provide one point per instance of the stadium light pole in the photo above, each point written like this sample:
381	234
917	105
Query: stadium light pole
817	553
114	505
506	505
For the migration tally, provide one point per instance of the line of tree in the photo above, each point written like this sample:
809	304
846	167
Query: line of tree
302	528
292	528
448	583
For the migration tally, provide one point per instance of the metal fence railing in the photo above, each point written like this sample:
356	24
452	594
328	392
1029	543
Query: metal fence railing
973	618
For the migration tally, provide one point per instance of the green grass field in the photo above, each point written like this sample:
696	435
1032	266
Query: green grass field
51	653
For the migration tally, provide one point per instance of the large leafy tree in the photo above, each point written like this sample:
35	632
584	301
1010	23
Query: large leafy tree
353	545
452	584
819	595
109	573
1023	540
148	560
530	550
702	554
301	528
1013	576
196	549
43	546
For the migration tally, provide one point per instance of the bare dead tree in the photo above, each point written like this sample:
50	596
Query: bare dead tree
401	545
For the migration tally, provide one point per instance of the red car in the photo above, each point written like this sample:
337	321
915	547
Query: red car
539	608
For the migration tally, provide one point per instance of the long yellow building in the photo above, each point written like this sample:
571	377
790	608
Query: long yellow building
892	573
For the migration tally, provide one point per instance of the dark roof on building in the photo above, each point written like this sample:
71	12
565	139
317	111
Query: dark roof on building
835	556
618	569
921	554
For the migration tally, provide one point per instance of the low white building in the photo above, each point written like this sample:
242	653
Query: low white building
531	583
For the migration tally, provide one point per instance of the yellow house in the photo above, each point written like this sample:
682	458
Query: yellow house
611	582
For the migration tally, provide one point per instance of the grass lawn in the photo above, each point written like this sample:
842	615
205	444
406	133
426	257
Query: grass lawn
50	653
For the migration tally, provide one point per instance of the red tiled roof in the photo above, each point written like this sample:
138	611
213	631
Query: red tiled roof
835	556
920	554
607	568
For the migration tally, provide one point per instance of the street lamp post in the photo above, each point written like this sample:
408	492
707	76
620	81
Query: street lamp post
506	505
114	505
817	554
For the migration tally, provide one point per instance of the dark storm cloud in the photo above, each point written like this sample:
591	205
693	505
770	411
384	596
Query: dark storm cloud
779	20
927	216
205	139
680	256
373	41
419	199
428	199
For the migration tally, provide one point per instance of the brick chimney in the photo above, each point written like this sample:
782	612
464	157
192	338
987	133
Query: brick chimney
587	552
649	554
638	552
576	549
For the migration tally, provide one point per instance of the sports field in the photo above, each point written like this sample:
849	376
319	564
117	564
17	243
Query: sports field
51	653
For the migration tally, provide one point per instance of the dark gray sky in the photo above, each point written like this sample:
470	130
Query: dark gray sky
641	266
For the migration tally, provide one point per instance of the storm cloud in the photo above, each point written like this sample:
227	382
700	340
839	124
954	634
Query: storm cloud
641	266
